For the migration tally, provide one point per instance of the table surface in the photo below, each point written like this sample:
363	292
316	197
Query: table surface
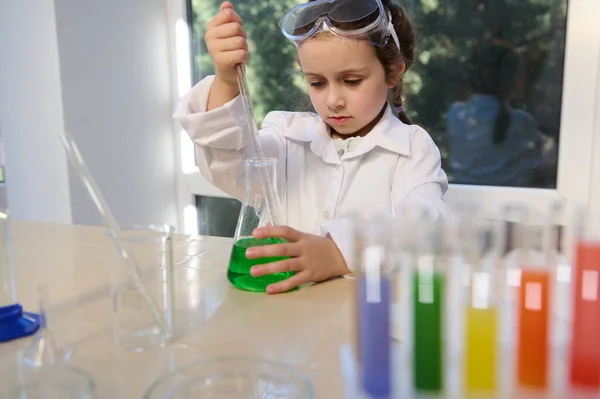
306	328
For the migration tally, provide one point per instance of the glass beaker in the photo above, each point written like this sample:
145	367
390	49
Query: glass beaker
150	248
256	212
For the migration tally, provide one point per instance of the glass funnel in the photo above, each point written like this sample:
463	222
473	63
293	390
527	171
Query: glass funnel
256	212
45	349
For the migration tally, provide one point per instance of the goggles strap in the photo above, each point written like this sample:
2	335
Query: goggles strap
392	31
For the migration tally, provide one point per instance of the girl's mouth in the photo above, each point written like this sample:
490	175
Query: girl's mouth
339	120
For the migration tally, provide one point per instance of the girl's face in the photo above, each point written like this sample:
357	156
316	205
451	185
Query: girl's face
346	83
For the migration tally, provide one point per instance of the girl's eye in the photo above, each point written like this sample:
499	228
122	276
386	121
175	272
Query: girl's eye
316	84
353	82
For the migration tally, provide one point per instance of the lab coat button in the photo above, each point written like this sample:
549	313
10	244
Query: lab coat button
326	215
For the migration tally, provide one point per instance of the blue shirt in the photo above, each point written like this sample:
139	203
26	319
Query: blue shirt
476	159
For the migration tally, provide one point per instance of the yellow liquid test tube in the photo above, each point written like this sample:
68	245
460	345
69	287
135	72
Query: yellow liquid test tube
481	246
480	349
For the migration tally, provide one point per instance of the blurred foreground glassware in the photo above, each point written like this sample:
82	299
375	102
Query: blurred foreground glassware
533	333
53	382
585	350
374	298
232	378
113	228
481	320
429	301
150	247
14	323
45	349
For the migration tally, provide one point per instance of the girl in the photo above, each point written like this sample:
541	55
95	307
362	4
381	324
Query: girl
354	155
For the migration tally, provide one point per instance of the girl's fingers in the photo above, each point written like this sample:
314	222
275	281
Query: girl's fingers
228	30
286	232
224	16
288	284
287	265
274	250
226	4
231	58
233	43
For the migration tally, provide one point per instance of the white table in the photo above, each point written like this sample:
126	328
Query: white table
305	328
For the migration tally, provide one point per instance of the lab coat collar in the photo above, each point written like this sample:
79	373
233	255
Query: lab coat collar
390	133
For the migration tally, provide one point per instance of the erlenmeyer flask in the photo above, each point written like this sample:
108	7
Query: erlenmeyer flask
256	212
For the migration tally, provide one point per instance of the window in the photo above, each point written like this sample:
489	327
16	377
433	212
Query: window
217	216
273	77
488	83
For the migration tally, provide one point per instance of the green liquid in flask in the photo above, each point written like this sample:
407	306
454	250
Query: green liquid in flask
238	272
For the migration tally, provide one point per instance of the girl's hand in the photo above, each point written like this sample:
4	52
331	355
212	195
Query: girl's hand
313	258
226	42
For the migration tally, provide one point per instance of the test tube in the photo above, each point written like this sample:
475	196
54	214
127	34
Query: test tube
533	314
374	297
428	306
508	281
585	348
481	254
515	218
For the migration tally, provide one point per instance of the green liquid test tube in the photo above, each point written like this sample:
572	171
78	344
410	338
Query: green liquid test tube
428	347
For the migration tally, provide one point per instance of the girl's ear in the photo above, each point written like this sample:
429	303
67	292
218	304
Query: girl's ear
398	72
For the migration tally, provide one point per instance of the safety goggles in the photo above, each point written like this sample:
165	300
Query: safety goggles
365	20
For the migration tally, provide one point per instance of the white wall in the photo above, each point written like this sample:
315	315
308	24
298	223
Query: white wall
31	112
114	82
114	58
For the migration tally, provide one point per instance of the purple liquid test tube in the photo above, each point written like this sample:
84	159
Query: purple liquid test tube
374	336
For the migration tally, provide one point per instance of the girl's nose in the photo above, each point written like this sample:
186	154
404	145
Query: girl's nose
335	99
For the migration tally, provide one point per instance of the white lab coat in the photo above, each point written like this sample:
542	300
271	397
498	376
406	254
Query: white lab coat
394	165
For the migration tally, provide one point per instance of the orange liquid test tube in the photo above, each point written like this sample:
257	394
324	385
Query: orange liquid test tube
585	344
533	328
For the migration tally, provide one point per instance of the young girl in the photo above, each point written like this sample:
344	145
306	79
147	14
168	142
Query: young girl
353	156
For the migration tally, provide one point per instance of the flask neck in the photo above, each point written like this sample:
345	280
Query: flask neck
257	173
262	204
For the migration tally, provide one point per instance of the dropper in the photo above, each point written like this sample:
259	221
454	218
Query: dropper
272	199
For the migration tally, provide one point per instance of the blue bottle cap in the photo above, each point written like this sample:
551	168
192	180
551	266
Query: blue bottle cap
14	323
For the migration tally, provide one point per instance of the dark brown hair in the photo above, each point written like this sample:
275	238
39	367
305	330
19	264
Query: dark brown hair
390	57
